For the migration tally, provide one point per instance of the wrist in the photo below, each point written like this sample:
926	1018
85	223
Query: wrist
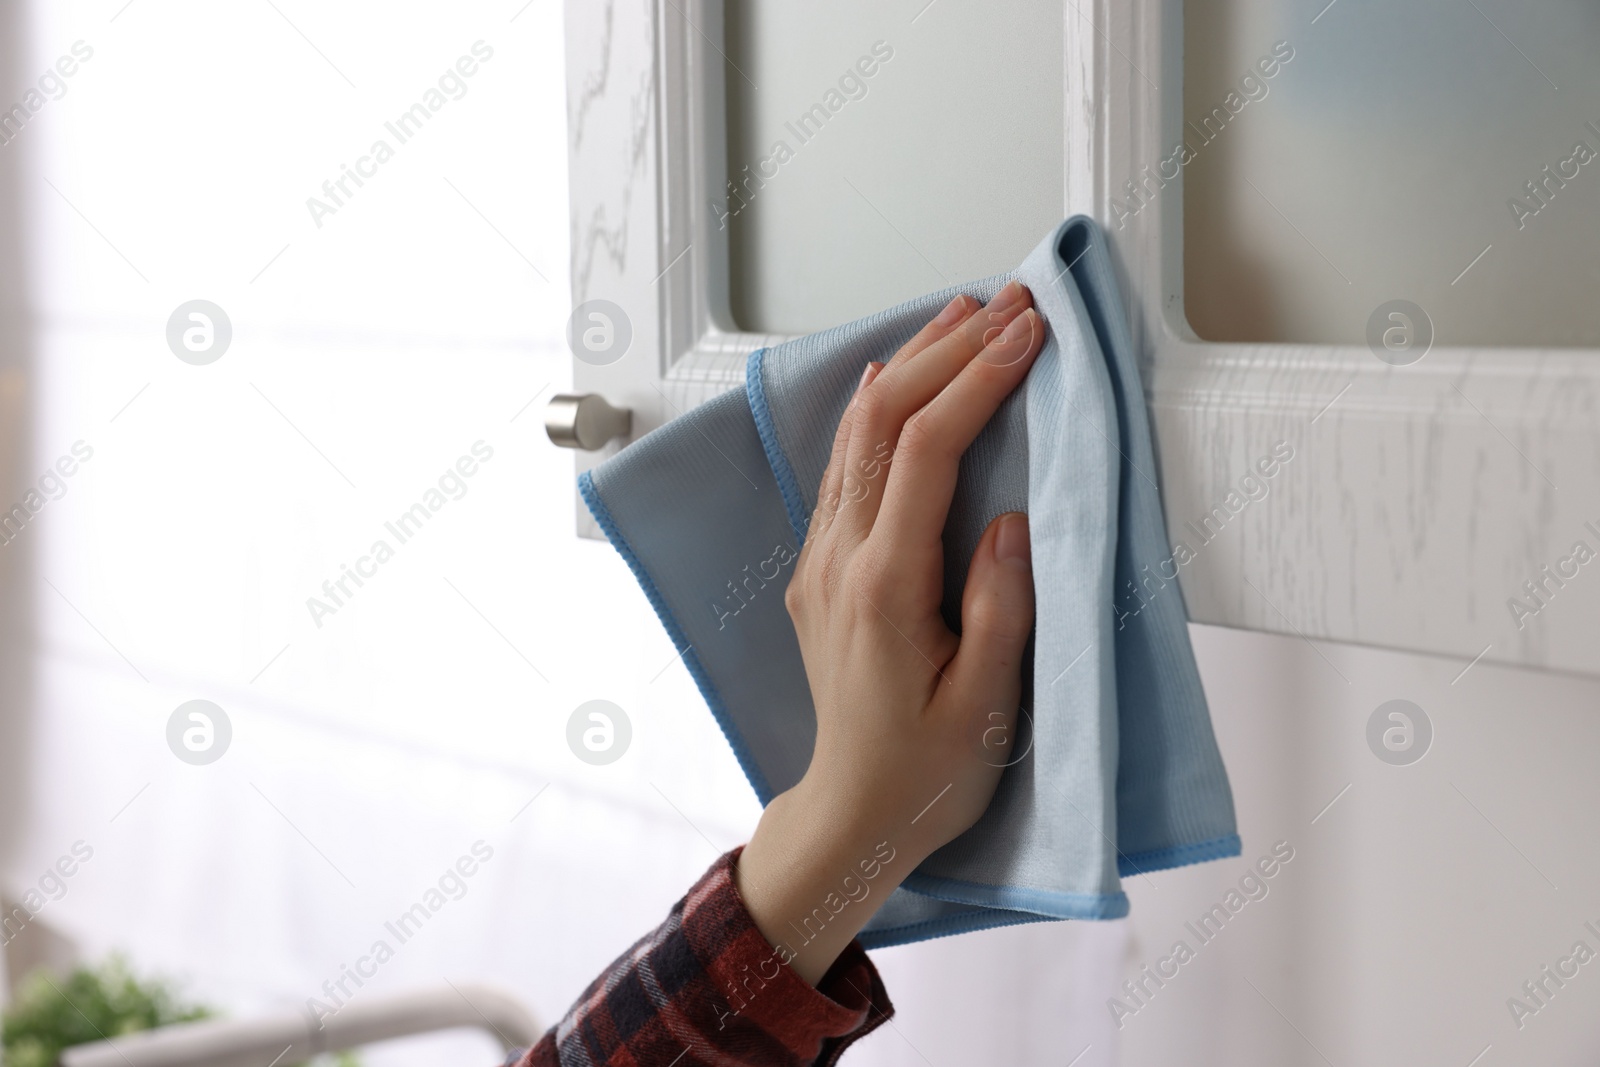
815	871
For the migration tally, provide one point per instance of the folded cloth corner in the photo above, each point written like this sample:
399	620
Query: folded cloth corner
1119	771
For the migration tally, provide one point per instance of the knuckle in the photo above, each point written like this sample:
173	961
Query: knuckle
830	571
875	464
991	615
876	586
794	597
920	439
872	406
822	517
878	577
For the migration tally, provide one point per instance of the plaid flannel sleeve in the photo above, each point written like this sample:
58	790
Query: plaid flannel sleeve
705	987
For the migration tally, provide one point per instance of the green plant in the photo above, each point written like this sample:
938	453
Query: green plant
90	1004
93	1004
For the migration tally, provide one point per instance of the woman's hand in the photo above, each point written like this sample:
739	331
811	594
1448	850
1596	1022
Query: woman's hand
914	725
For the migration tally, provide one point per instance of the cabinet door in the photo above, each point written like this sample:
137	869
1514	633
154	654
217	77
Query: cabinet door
1357	244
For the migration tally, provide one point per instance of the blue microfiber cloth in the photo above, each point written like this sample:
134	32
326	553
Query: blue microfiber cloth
1115	770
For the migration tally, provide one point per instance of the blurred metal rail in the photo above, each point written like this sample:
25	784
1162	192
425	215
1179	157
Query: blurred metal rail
296	1036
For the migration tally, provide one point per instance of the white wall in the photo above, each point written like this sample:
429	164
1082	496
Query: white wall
1395	935
1416	904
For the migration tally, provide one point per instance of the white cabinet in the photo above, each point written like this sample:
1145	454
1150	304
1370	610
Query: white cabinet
1264	224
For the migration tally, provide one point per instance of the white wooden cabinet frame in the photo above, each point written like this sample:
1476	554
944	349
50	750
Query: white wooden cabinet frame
1420	499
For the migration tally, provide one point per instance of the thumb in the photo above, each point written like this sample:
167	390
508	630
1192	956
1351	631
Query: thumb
996	619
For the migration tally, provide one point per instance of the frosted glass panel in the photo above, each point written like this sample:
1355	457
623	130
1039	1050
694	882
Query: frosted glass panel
857	190
1445	152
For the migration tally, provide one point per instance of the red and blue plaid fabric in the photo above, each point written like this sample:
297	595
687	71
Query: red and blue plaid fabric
705	989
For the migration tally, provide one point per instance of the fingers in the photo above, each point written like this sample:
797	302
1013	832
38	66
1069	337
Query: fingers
927	457
858	475
953	314
996	619
830	491
914	382
882	410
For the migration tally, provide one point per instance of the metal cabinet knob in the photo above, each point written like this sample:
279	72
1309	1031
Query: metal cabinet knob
585	422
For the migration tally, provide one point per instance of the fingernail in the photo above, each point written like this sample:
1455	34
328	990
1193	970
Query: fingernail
869	372
1011	543
1007	296
1013	342
952	311
1018	329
